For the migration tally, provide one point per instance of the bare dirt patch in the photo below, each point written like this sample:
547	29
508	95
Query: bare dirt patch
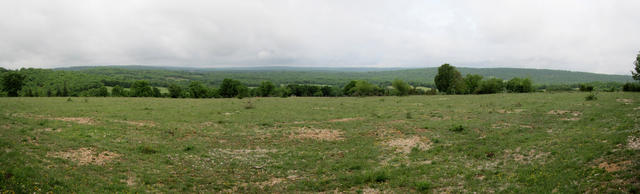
525	157
624	100
500	125
633	143
345	120
318	134
614	167
405	145
503	111
79	120
84	156
271	182
565	112
131	180
51	130
138	123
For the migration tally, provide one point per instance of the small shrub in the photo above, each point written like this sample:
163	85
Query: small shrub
423	186
147	150
69	100
457	128
188	148
378	176
249	105
409	116
591	96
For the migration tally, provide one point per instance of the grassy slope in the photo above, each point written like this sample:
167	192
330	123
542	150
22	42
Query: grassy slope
509	143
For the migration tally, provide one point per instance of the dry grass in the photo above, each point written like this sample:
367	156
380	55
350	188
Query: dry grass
405	145
84	156
317	134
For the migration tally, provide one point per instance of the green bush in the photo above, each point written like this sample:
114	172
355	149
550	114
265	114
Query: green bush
591	96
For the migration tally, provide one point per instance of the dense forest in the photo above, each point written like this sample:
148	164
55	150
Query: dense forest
286	81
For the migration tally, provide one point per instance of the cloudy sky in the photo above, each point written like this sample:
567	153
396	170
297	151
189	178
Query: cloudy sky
600	36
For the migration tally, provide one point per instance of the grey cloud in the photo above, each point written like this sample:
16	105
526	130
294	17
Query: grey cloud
581	35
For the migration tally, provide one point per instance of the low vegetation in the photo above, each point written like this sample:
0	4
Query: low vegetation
515	143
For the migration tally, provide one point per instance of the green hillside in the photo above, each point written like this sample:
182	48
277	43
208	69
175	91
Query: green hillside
332	76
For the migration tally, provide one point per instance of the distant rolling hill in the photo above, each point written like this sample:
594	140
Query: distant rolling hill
330	76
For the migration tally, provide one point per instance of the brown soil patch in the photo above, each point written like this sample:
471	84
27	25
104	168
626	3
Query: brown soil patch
500	125
138	123
637	108
345	119
50	130
633	143
527	126
318	134
404	145
503	111
565	112
131	180
85	156
79	120
614	167
271	182
624	100
525	157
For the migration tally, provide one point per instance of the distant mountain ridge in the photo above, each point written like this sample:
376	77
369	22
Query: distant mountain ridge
334	76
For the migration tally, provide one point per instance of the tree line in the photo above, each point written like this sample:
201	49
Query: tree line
448	80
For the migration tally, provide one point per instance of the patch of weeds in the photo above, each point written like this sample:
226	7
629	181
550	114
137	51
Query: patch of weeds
378	176
43	122
457	128
147	108
147	150
189	148
409	116
434	140
86	100
592	96
423	186
266	124
249	105
69	100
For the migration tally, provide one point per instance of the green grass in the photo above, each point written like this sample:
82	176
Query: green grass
473	143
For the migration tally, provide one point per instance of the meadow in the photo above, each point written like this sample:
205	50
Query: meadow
504	143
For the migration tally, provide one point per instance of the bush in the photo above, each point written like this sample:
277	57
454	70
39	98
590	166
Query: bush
457	128
490	86
591	96
423	186
402	88
586	88
631	87
147	150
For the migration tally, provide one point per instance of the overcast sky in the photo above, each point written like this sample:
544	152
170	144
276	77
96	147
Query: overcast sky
600	36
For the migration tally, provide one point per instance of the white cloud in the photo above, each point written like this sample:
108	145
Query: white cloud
581	35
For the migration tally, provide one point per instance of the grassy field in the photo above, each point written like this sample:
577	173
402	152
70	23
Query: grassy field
514	143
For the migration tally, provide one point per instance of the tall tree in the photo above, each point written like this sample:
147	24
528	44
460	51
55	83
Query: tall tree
266	88
449	80
141	88
175	91
197	90
473	82
636	74
12	83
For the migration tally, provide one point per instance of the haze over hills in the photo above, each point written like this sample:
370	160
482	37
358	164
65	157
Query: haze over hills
332	76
